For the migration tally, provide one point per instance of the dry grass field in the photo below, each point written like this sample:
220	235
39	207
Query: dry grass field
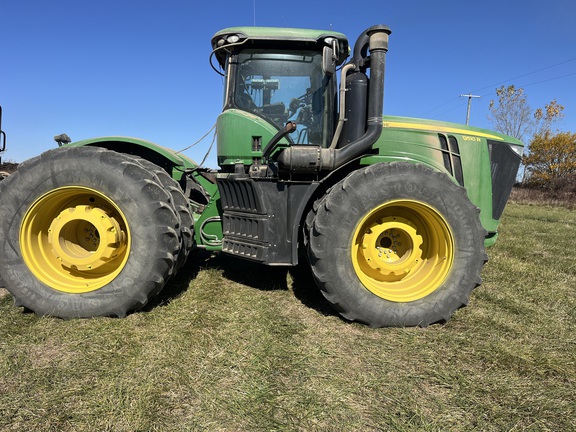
232	346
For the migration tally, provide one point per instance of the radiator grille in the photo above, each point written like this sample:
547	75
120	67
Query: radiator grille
504	163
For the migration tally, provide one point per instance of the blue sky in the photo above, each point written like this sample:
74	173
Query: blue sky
140	68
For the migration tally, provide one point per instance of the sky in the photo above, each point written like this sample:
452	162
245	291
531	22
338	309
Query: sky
140	68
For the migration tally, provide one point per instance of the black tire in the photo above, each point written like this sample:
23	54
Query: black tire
53	201
180	205
420	281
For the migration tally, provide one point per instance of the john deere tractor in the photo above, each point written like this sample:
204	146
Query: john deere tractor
392	214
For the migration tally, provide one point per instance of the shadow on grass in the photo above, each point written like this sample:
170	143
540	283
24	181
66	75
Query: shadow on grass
251	274
305	290
176	286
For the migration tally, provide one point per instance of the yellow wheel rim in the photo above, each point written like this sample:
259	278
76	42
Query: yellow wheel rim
74	239
402	250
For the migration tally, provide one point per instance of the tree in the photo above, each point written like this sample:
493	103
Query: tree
551	113
551	157
511	115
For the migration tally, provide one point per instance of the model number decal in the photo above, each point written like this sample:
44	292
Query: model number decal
471	138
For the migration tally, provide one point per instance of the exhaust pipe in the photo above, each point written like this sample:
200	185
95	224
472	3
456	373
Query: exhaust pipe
311	159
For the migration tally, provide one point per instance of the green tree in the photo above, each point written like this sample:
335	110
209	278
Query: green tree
551	157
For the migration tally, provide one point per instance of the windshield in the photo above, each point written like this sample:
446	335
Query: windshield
286	86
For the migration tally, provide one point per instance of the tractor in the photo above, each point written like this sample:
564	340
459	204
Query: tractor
392	214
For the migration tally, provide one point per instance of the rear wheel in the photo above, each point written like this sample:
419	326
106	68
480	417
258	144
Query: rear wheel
85	232
396	245
181	207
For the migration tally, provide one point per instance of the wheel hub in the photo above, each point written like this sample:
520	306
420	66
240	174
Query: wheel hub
391	245
85	238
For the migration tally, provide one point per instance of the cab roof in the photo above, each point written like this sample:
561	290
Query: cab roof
277	37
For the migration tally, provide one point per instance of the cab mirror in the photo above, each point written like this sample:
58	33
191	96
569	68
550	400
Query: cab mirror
328	61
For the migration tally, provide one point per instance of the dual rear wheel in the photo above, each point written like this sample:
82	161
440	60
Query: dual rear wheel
90	232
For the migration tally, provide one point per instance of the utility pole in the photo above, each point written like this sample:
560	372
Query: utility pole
469	96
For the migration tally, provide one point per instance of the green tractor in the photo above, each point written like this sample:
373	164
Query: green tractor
392	214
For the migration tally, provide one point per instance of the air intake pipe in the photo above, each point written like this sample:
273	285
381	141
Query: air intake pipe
309	159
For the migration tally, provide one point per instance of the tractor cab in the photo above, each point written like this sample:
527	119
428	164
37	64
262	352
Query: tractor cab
274	78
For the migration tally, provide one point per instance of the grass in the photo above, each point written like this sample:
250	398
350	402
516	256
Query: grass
232	346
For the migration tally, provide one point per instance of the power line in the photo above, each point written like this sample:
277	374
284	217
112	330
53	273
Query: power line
505	81
460	105
539	82
550	79
440	106
526	74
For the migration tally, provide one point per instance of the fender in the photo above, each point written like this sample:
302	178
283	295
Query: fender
174	163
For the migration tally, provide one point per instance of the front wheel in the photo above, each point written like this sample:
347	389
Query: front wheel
396	245
85	232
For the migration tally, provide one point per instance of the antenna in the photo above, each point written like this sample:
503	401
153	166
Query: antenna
469	96
254	13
